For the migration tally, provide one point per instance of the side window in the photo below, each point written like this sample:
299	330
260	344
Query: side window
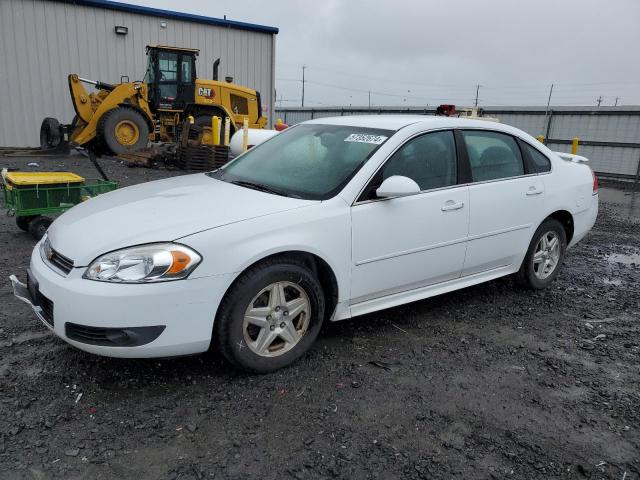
429	160
492	155
239	105
187	69
539	162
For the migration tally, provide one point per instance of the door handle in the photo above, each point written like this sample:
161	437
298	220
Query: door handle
451	205
534	191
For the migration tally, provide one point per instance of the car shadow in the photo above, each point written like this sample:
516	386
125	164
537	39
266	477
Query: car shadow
191	369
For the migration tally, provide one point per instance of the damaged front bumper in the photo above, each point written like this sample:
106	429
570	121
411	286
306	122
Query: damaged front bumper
28	293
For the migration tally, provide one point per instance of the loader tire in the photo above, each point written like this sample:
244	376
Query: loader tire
205	121
123	130
50	134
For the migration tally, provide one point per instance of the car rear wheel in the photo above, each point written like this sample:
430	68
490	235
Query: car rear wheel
546	252
270	317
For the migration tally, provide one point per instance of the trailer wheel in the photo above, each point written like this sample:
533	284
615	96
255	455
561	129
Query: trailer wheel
123	130
38	226
50	134
23	222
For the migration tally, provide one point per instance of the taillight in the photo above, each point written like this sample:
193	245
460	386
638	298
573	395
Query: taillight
595	182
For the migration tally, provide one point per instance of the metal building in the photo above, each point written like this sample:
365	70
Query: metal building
42	41
609	136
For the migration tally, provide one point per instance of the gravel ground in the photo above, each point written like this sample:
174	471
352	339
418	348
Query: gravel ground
487	382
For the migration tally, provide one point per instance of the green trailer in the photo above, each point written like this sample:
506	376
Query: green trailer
31	196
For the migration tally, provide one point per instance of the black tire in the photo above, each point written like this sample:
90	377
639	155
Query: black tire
228	334
107	130
526	276
23	222
50	133
205	121
38	226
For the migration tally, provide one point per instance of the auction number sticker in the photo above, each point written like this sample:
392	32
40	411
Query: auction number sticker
365	138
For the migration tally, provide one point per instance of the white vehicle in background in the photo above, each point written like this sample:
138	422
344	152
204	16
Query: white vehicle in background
330	219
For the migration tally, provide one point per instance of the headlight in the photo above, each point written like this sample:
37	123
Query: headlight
158	262
46	252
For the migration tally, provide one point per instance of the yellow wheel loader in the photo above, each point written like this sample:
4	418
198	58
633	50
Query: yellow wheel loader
122	118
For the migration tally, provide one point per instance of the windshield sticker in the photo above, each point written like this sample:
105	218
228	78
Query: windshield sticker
365	138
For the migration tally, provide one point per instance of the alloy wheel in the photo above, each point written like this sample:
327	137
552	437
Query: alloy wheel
546	255
276	319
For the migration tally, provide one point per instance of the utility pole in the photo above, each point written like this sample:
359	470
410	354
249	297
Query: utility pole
477	90
616	104
369	98
549	99
546	112
599	100
303	68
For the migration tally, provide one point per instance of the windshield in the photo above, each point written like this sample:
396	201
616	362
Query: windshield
308	161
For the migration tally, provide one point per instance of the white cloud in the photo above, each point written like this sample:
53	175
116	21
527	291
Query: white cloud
428	51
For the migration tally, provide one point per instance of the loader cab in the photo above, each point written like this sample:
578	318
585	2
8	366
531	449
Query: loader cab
171	77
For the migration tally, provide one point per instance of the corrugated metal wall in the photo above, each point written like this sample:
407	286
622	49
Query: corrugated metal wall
610	137
42	41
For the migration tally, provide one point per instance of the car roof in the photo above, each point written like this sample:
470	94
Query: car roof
396	122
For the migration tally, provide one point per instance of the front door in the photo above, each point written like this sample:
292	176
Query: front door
404	243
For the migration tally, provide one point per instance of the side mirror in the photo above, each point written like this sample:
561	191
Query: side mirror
397	186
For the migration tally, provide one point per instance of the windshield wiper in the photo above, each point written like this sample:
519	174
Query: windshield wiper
260	187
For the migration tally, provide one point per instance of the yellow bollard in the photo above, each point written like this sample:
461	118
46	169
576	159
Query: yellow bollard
227	130
540	138
215	130
245	134
574	145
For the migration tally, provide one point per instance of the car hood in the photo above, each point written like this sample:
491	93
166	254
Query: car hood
163	210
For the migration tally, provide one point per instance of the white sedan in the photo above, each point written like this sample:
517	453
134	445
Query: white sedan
331	219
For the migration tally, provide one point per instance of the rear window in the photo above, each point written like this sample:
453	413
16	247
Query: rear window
539	162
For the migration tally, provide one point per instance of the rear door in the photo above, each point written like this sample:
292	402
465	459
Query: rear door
507	201
404	243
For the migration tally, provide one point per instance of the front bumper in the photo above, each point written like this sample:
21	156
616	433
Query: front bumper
171	318
21	292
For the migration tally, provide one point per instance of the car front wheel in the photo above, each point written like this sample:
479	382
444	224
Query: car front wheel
546	252
270	317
